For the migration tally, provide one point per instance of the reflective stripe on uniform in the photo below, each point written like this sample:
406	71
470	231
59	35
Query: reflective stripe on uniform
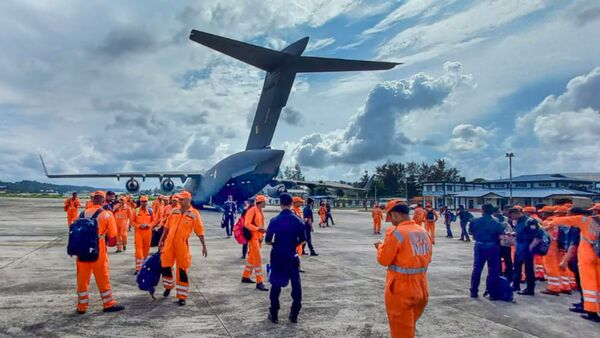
82	294
181	293
84	301
406	271
398	235
106	293
106	300
590	292
589	299
182	287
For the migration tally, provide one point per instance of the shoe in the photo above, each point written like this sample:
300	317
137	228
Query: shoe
118	251
243	257
551	293
167	293
591	316
486	293
526	293
136	272
314	254
468	240
474	295
577	305
567	292
247	280
293	318
261	287
302	271
541	279
124	248
181	302
304	253
114	308
576	309
228	237
273	318
80	312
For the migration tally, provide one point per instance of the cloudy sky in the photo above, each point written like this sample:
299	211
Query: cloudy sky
105	86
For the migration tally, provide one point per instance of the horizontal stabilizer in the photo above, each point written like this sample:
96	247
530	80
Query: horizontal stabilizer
311	64
260	57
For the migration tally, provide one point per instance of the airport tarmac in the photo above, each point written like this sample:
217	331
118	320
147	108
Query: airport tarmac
342	289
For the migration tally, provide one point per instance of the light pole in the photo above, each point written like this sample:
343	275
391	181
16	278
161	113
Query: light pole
510	156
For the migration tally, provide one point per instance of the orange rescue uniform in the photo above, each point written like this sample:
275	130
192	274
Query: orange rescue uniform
588	261
123	215
377	215
253	221
419	216
553	257
143	237
406	251
72	209
100	268
430	225
298	212
176	248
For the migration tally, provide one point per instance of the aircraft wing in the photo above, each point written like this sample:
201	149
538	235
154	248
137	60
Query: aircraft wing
311	64
159	174
312	184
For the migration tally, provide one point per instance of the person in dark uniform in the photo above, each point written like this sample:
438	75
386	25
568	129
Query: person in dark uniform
529	235
464	217
285	233
307	214
229	213
328	214
570	260
505	253
486	231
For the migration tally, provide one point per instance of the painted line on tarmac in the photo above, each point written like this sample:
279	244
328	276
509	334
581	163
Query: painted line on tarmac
45	245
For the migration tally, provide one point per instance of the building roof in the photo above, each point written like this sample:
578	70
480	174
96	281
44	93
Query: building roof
584	176
523	193
540	178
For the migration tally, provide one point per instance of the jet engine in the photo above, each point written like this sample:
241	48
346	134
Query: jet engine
167	185
281	189
132	185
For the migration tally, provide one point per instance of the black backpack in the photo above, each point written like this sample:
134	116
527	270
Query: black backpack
83	238
430	215
563	237
544	245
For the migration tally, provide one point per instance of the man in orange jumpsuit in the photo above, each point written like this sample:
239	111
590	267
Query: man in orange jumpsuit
431	216
123	215
107	231
72	205
141	221
406	251
377	215
538	261
175	249
298	202
89	203
254	220
588	261
419	214
565	275
552	258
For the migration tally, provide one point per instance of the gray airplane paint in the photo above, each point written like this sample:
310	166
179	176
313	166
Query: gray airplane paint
244	174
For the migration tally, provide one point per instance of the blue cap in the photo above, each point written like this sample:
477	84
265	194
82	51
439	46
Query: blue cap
285	199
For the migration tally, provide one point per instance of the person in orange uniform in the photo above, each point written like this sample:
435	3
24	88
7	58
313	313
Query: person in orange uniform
142	219
107	232
552	258
538	261
72	205
254	220
89	203
377	215
588	261
431	216
406	252
419	214
297	203
123	215
175	249
322	215
565	280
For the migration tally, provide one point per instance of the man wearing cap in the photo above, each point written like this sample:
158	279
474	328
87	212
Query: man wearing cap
431	216
419	214
377	215
486	233
406	252
464	217
123	215
141	221
297	203
307	214
538	260
553	257
229	214
285	233
72	205
175	249
254	221
529	235
107	232
566	276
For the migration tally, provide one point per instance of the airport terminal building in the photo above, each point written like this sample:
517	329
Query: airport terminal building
526	190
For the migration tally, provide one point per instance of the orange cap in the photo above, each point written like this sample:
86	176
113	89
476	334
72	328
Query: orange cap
548	209
389	206
185	194
428	205
144	198
297	199
595	206
175	196
561	210
529	208
518	206
260	198
99	193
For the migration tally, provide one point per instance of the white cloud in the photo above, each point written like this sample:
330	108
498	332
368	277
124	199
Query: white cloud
319	44
409	9
468	138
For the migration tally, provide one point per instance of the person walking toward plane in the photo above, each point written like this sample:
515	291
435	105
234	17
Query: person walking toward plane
247	205
72	205
419	214
406	252
123	215
307	214
322	215
254	220
431	216
448	219
175	247
229	214
464	216
285	233
141	221
328	214
377	215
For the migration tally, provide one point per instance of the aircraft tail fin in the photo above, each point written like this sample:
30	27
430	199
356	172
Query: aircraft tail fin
260	57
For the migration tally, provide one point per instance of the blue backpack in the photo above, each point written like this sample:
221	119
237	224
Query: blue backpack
544	245
504	291
83	238
149	275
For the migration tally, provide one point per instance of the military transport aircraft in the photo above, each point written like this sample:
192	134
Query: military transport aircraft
244	174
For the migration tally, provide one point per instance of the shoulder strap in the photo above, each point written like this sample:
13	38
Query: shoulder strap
97	213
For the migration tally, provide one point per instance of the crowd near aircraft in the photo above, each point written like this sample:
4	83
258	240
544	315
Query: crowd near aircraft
245	173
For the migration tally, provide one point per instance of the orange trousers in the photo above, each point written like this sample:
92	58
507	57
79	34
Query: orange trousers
180	256
405	299
101	273
122	228
254	261
538	266
377	225
552	262
142	246
430	227
565	280
71	216
589	270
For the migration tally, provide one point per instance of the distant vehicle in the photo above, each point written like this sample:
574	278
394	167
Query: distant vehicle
244	174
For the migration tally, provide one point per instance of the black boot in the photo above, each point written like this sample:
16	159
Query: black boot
114	308
314	253
591	316
181	302
261	287
167	292
247	280
273	317
293	317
